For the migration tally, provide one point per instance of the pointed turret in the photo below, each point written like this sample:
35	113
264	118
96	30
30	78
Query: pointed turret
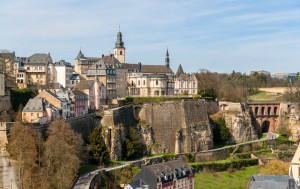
179	71
80	55
167	60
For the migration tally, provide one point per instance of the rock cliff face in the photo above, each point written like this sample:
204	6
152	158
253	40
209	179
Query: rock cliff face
173	126
241	124
290	120
242	127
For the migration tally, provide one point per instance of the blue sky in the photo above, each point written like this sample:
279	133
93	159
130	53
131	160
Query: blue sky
218	35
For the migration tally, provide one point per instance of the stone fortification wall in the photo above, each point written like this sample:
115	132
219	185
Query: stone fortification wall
84	125
212	156
179	126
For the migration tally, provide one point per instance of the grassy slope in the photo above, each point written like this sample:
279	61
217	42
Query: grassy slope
264	97
225	180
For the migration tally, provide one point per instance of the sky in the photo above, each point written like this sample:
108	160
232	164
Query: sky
217	35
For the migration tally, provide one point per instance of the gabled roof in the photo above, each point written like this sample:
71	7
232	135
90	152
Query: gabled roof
78	92
80	55
156	69
84	84
170	168
62	63
39	58
34	105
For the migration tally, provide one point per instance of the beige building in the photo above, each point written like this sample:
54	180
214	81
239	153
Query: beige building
37	69
185	83
7	63
60	104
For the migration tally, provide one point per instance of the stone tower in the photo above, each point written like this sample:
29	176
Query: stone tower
119	50
167	60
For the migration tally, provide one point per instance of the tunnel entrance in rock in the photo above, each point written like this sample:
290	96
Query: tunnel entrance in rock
265	127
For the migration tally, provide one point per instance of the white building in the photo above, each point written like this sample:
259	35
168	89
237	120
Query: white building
60	72
185	83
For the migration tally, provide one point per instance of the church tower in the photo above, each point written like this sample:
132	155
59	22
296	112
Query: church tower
119	50
167	60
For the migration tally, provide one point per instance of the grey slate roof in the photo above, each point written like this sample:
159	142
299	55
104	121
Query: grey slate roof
271	182
39	58
62	63
156	69
165	172
137	184
34	105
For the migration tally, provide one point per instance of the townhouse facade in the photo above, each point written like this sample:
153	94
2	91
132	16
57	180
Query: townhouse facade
79	103
60	72
95	91
37	111
37	69
185	83
61	104
172	174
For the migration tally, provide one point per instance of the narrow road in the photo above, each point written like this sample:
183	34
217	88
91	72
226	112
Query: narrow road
7	172
84	181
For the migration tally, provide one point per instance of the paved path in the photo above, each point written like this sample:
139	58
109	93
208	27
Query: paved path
269	136
7	173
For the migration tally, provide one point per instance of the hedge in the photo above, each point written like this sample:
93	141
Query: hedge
245	155
224	165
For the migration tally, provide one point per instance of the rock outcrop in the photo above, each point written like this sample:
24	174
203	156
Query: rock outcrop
240	122
172	126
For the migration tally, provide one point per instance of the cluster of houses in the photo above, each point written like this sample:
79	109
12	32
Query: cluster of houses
90	84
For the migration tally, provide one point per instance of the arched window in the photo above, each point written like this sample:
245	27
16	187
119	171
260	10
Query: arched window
275	110
269	110
121	53
256	110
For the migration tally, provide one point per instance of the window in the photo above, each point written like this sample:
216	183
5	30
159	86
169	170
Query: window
139	83
35	68
40	68
121	53
157	82
144	82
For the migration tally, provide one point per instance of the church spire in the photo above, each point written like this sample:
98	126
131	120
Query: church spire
119	43
167	60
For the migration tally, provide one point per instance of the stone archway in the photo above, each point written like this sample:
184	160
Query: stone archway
265	126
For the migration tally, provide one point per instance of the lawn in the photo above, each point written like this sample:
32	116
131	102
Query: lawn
225	180
264	96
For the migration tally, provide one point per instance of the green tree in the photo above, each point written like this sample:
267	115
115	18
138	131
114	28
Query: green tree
134	146
61	156
98	148
221	133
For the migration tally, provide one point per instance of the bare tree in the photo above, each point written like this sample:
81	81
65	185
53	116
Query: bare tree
61	155
22	147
